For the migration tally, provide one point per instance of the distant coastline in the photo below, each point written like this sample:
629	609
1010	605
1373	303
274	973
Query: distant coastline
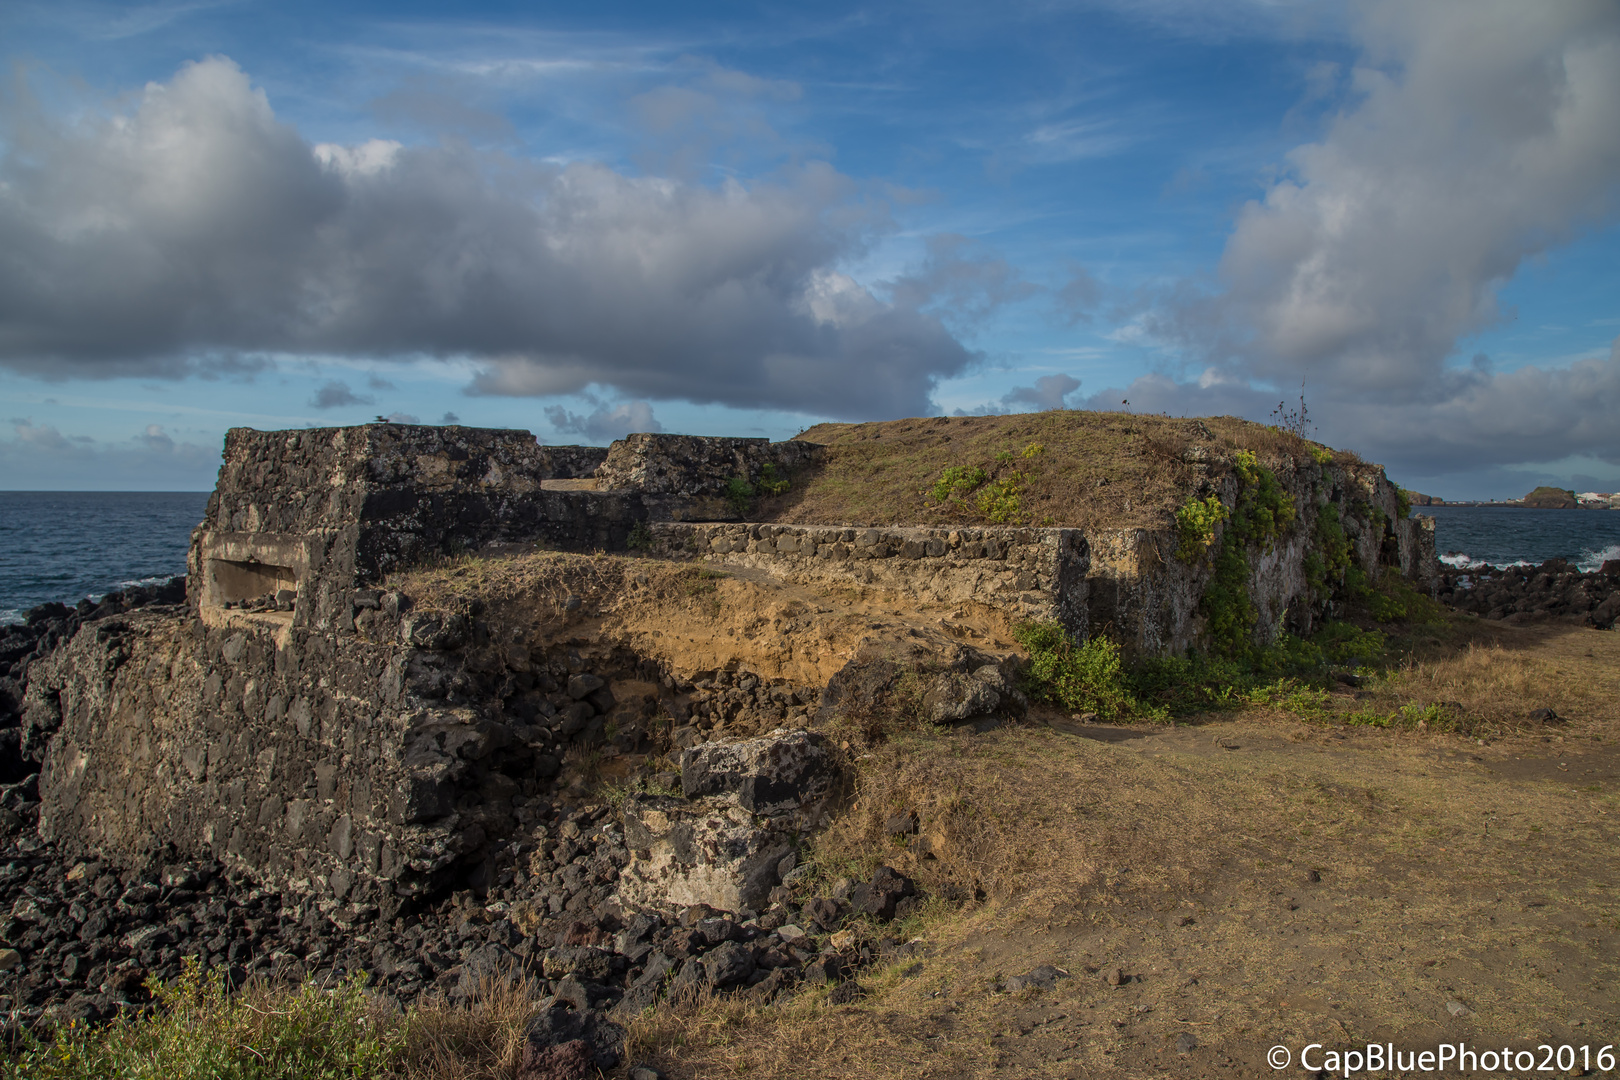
1542	498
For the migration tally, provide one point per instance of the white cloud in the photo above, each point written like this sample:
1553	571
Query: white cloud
1479	134
196	227
1482	133
152	460
607	422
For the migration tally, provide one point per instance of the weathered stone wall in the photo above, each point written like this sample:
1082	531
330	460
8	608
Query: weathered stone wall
367	767
314	514
1031	573
1149	599
684	477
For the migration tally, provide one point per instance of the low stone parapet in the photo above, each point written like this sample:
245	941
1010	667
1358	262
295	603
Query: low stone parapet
1035	574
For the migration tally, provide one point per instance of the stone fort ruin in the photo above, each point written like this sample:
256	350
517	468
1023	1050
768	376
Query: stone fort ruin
316	727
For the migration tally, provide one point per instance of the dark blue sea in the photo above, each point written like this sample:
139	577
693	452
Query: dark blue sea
65	545
1466	536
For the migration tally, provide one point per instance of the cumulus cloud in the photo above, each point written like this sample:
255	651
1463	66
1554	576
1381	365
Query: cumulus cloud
961	281
334	394
1049	392
1477	136
449	418
1487	420
1481	133
606	423
195	225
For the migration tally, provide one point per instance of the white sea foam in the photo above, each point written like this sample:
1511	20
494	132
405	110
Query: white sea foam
1463	561
1592	560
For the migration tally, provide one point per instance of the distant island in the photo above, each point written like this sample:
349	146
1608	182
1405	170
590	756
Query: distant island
1551	498
1542	498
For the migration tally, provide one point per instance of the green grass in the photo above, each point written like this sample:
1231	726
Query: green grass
202	1032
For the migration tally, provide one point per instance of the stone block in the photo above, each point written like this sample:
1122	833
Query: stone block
778	773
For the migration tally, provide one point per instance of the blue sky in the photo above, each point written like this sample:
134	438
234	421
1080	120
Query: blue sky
745	219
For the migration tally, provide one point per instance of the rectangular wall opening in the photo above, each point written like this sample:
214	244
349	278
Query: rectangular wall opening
235	581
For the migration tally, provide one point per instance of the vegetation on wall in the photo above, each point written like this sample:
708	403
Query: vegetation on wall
1196	520
1263	512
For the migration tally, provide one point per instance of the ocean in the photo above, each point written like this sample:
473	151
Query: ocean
65	545
1466	536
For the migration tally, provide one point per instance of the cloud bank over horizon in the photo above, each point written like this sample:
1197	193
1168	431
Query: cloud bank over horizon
197	227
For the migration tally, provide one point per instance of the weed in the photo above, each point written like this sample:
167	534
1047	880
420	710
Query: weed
998	501
1086	676
1295	421
640	538
1195	523
1403	503
769	482
202	1031
957	482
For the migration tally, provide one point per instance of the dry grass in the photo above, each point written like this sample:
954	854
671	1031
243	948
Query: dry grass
1508	673
1446	869
1097	470
480	1041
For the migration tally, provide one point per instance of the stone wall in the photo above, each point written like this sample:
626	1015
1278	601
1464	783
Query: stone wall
684	477
366	767
315	514
1149	599
1031	573
305	724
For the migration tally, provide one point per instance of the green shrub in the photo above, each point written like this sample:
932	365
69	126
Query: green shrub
999	500
739	495
769	482
1086	676
1344	643
958	481
1329	559
640	538
1263	511
1195	523
1403	503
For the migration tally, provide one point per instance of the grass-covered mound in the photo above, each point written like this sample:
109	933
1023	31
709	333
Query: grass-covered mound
1062	468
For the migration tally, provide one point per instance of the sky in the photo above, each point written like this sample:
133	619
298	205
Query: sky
744	219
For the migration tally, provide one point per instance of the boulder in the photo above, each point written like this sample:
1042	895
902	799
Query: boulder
778	773
559	1026
706	851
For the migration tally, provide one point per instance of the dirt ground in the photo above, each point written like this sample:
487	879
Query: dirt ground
1257	881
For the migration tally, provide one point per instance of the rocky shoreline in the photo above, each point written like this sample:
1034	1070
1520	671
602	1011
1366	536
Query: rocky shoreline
1553	591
